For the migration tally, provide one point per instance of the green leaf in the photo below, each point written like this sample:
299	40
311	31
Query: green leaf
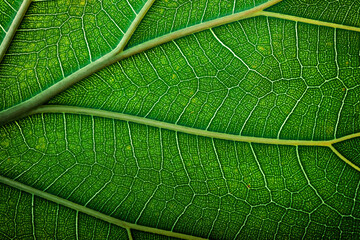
199	119
12	13
23	214
59	43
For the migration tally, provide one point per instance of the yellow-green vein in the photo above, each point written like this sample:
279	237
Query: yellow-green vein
10	33
92	212
104	61
194	131
117	54
307	20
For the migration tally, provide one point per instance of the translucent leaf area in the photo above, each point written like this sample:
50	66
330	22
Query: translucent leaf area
202	119
163	179
57	38
8	11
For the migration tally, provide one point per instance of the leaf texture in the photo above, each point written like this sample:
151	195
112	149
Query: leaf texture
12	13
274	85
38	218
58	38
162	178
213	120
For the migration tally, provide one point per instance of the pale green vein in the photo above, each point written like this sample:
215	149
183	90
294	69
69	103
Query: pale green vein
307	20
128	230
257	11
104	61
92	212
179	128
194	131
10	33
194	29
344	158
128	34
117	54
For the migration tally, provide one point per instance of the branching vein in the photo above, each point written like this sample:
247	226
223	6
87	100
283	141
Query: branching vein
194	131
13	27
79	208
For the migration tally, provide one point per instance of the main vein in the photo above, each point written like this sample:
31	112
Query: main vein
116	55
104	61
92	212
194	131
10	33
194	29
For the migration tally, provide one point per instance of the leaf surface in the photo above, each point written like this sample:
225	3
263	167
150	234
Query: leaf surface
216	120
12	13
60	42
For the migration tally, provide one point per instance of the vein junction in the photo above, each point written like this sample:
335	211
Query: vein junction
195	131
307	20
79	208
119	54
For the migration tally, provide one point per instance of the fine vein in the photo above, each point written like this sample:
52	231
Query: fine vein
91	212
194	29
104	61
193	131
13	27
116	55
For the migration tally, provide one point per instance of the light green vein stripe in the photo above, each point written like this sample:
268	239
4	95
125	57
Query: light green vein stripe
91	212
344	158
184	129
104	61
194	29
307	20
117	54
125	39
194	131
13	27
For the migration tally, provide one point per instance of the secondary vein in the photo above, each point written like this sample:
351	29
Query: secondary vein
13	27
194	29
184	129
125	39
104	61
91	212
194	131
307	20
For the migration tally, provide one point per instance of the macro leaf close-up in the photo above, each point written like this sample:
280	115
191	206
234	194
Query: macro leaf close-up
179	119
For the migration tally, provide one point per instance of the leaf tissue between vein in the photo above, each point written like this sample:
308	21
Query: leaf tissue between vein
219	120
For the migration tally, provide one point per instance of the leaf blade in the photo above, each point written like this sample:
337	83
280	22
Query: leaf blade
200	185
164	166
8	31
